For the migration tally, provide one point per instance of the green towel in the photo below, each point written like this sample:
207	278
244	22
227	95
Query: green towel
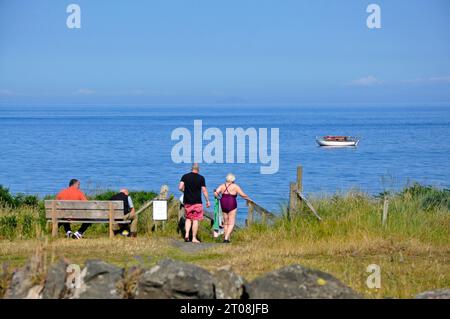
216	214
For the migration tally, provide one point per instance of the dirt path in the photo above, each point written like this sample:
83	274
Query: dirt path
191	247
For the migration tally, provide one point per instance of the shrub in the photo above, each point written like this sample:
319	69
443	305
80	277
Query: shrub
9	200
428	197
6	198
26	200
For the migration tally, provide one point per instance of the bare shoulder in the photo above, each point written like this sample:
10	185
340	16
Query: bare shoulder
236	187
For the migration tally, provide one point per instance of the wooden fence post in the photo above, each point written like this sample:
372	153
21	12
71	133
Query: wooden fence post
264	217
163	195
385	210
250	213
292	198
299	186
111	221
295	203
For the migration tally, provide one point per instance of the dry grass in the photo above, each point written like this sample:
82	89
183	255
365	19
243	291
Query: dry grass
408	267
121	251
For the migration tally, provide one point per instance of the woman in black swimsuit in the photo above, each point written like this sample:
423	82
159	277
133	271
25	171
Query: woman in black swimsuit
229	191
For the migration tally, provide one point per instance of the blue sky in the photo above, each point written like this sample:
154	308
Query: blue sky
213	52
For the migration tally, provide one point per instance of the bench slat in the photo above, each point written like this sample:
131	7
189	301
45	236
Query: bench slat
78	204
91	221
78	214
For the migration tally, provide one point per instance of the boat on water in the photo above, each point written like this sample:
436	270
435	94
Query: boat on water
337	140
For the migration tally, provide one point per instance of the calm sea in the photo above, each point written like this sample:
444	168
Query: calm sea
112	147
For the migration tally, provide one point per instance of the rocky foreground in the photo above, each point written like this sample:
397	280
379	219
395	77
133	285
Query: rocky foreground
176	279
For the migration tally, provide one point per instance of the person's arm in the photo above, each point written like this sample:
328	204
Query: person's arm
82	196
241	193
181	186
218	191
205	193
130	203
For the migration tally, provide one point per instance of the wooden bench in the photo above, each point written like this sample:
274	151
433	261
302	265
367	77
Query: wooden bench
75	211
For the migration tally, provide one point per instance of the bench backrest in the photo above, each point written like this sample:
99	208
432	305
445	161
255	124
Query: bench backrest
75	209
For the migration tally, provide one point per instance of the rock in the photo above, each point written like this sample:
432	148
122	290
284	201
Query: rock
99	280
35	292
19	285
55	283
23	280
227	284
298	282
175	280
434	294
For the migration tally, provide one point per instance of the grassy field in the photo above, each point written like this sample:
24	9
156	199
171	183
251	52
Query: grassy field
413	249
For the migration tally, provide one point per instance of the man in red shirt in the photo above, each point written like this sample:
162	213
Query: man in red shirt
73	192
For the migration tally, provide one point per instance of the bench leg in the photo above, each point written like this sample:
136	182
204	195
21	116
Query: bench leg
54	227
111	232
54	221
111	221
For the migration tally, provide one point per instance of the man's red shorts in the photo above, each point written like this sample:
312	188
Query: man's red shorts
194	211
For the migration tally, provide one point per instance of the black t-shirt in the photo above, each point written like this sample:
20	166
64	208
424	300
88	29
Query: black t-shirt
193	183
123	197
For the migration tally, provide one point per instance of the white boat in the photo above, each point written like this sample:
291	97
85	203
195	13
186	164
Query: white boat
337	141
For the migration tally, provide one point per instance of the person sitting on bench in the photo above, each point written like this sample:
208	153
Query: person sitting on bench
73	192
129	214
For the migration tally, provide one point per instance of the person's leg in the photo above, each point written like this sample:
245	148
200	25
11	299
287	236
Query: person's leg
231	221
82	229
225	225
194	231
67	227
187	228
117	229
133	225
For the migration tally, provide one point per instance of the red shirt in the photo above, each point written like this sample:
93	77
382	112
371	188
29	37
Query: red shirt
71	193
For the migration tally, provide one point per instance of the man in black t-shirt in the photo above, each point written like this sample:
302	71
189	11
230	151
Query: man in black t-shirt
129	213
193	185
